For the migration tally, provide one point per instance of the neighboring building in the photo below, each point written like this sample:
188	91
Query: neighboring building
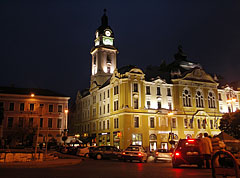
131	106
26	110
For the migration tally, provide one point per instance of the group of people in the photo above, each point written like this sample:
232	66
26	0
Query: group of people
208	147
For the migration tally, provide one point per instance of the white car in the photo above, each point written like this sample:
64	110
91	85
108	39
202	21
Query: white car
135	152
162	155
84	151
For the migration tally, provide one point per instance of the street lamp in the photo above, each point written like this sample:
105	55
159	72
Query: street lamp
171	141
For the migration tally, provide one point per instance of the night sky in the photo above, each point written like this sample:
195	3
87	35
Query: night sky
46	44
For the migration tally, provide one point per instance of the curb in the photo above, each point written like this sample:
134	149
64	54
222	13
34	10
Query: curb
43	164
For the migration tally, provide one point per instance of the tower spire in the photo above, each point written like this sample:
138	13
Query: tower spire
104	19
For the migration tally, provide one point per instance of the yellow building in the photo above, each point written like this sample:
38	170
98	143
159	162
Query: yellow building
129	106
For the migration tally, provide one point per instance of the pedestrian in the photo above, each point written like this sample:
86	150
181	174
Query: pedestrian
206	150
217	145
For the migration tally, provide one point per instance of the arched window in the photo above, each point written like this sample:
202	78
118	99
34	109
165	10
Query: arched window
211	100
199	99
186	98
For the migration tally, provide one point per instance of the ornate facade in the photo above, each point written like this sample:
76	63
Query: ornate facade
151	107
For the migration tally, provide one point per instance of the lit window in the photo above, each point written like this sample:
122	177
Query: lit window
186	98
136	122
199	99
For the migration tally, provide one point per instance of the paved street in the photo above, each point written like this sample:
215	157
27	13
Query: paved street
106	168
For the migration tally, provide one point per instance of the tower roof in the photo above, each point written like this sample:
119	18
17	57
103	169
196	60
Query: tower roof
104	25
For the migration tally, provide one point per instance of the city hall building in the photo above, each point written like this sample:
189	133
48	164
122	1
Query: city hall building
127	105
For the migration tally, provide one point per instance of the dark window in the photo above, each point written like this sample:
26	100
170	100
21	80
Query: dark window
20	122
10	122
148	104
108	93
135	87
1	112
59	123
115	105
11	107
41	105
158	91
136	122
31	122
152	122
50	108
108	69
59	108
169	92
31	107
148	90
41	122
21	106
108	124
159	104
135	103
115	90
49	122
108	108
115	123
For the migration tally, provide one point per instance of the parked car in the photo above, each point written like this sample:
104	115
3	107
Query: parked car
187	152
84	151
105	152
162	155
135	152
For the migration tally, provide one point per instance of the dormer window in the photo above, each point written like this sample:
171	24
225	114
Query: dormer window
94	60
109	61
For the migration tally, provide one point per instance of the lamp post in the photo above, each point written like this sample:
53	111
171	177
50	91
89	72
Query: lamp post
171	141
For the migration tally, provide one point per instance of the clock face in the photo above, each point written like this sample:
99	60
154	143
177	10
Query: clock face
107	41
96	34
107	33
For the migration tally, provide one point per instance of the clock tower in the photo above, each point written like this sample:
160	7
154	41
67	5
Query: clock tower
103	53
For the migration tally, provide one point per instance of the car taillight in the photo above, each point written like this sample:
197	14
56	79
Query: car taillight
177	154
139	154
123	153
156	153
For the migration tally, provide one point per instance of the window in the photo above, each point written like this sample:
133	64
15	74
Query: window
11	107
204	123
20	122
116	105
21	106
211	100
199	124
94	99
104	125
103	109
50	108
137	139
59	123
174	123
220	96
216	123
148	90
169	92
116	126
41	105
100	110
94	111
152	125
115	90
211	124
185	123
136	122
169	105
108	107
135	103
10	122
60	108
148	104
186	98
104	95
191	123
158	91
49	122
199	99
31	122
108	93
135	87
41	122
108	124
100	97
159	104
94	126
31	107
100	125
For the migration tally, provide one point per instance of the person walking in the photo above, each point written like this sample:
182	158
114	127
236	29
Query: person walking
206	149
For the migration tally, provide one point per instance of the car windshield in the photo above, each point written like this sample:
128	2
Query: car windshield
132	148
163	151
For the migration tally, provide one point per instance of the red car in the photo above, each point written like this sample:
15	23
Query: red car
187	152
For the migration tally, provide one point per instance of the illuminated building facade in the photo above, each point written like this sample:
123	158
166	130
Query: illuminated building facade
24	110
130	106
